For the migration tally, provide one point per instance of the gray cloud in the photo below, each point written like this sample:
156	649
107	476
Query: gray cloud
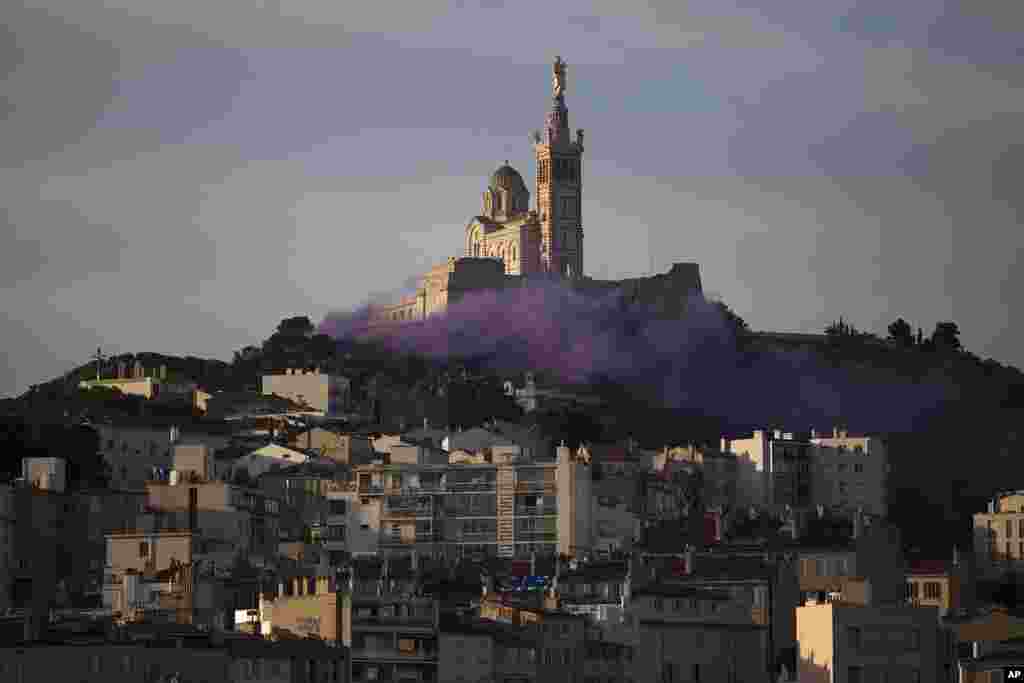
179	176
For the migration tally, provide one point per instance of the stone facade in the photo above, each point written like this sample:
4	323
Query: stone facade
510	244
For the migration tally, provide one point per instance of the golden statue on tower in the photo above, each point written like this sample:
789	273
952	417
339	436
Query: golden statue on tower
558	84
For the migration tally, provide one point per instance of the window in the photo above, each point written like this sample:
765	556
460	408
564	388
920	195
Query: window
858	468
854	674
853	637
913	590
143	549
1009	528
95	664
658	604
932	590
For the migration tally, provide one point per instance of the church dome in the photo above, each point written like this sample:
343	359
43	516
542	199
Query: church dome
508	178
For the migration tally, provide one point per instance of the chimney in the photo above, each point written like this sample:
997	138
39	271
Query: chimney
814	433
992	506
777	433
691	557
835	432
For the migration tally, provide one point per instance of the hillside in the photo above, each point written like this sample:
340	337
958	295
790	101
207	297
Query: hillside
945	462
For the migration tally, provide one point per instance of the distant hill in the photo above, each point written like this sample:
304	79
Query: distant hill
942	470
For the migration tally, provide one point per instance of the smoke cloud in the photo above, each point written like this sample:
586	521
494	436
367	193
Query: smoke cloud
692	365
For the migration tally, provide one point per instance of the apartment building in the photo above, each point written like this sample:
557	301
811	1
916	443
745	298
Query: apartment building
553	642
842	472
232	519
499	505
853	643
598	591
702	651
155	653
775	469
306	605
873	555
765	584
133	448
720	471
388	623
851	472
324	393
999	534
938	583
338	446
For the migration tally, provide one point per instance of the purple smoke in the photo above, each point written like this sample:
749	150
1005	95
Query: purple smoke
692	364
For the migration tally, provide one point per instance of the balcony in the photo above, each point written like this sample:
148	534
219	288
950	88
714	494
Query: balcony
391	541
476	485
408	506
403	621
474	536
336	520
393	654
535	485
525	511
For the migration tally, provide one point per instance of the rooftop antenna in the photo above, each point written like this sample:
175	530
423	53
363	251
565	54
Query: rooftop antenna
99	358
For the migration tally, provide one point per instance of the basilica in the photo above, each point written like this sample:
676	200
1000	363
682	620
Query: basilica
511	242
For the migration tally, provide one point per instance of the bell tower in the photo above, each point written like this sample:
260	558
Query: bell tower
560	186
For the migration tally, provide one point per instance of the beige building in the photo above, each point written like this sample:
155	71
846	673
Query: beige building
324	393
146	387
500	506
999	534
854	643
842	473
774	469
49	474
133	450
851	472
339	447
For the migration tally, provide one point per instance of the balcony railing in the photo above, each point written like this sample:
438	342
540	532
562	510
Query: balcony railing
535	485
411	508
379	654
536	535
524	511
416	620
472	485
473	536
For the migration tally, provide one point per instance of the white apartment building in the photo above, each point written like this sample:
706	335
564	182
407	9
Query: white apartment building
841	472
852	472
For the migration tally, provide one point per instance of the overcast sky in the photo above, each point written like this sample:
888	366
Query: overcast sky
179	176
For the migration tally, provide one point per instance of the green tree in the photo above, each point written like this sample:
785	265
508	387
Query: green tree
946	336
901	332
297	326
